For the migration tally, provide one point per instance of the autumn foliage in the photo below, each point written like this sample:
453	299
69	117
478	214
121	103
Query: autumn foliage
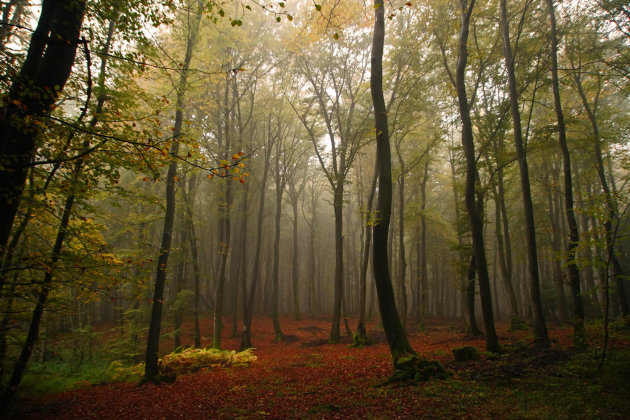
305	377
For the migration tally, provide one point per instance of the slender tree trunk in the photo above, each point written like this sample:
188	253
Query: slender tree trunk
297	313
225	208
46	286
248	297
361	337
338	293
541	336
611	205
402	263
151	372
556	249
279	177
472	177
194	253
424	270
507	278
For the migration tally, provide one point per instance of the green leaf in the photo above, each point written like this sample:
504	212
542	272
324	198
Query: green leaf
290	18
278	19
221	12
336	36
281	4
318	7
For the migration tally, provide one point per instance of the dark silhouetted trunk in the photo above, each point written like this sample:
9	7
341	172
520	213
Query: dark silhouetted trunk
151	372
472	179
32	95
396	335
541	336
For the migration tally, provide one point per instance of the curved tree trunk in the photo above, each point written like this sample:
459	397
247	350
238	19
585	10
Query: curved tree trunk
36	88
472	205
396	335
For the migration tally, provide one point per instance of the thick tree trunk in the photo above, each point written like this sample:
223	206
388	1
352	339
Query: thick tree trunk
396	335
407	364
541	336
33	95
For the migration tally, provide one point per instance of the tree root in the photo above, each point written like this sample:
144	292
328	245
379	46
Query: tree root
414	368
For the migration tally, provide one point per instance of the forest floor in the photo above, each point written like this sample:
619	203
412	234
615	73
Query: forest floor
304	377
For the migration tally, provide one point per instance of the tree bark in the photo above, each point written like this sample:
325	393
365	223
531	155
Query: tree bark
574	274
475	216
541	337
32	96
151	372
279	177
361	337
611	205
396	336
248	295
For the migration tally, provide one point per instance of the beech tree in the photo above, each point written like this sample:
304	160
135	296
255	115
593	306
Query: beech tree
32	96
151	372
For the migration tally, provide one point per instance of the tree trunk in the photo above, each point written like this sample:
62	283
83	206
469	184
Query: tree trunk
297	313
151	372
338	293
360	337
32	95
472	177
248	296
402	263
396	336
611	205
225	208
279	177
541	336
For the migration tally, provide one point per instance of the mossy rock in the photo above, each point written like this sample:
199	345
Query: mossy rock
413	368
466	353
